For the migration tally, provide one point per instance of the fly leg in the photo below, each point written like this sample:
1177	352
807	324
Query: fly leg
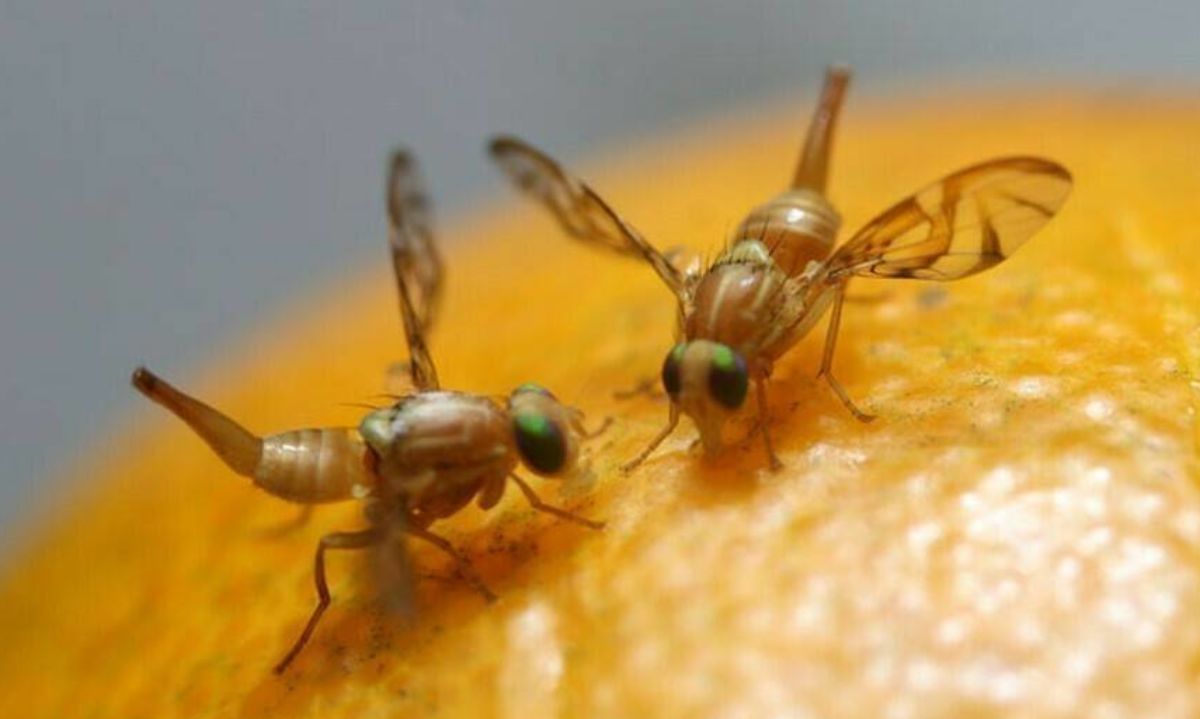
764	421
826	372
577	424
537	503
594	433
463	564
337	540
672	421
288	526
647	387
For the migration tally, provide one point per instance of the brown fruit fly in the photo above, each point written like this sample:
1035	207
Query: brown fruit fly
421	459
781	273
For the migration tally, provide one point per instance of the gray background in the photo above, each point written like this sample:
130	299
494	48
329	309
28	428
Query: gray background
169	172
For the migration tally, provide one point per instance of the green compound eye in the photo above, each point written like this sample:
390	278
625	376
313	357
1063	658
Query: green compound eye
670	370
540	442
728	380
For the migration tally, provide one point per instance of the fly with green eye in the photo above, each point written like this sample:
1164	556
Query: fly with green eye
420	460
780	272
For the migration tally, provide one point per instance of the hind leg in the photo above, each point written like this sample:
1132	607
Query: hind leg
337	540
826	372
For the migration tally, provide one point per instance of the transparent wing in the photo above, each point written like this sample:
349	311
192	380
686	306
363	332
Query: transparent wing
962	224
393	569
415	259
578	208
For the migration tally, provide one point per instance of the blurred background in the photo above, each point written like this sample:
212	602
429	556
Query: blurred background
171	174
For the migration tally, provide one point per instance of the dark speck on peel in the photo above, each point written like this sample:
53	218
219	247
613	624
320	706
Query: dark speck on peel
931	298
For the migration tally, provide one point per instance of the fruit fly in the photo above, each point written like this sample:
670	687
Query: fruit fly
421	459
780	273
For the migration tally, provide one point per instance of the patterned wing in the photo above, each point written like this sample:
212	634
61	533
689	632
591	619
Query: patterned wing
420	362
962	224
415	259
578	208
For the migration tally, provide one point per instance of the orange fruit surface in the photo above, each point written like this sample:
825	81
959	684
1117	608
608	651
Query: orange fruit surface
1018	534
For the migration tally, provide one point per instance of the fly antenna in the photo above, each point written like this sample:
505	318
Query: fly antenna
813	169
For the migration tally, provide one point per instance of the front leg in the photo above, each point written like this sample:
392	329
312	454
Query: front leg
537	503
647	386
672	422
576	419
764	422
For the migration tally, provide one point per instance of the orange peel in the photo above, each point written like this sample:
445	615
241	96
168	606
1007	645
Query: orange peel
1018	534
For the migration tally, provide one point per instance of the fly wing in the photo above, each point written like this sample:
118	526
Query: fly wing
420	362
962	224
416	264
393	569
415	258
580	211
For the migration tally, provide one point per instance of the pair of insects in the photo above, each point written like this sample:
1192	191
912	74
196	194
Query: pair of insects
435	451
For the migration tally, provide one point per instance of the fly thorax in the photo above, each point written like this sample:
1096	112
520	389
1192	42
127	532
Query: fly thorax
735	300
438	438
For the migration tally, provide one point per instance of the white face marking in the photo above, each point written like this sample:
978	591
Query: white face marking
694	399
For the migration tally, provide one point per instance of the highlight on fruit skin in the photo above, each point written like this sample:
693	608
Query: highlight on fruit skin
1017	534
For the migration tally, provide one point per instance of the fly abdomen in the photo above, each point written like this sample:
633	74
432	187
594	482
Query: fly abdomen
800	226
307	466
312	466
797	227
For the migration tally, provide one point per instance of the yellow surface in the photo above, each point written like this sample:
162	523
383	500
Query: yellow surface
1017	535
